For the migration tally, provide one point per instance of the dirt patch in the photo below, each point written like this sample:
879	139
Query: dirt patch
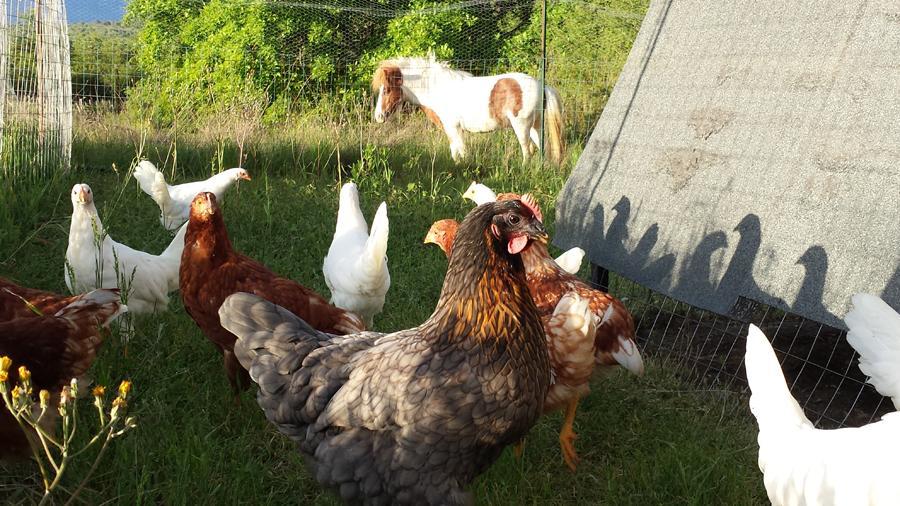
708	122
684	163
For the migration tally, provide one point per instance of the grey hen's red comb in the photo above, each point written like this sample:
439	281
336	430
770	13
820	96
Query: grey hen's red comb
530	202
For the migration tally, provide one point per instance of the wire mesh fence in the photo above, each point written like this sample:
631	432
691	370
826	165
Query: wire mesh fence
35	89
819	365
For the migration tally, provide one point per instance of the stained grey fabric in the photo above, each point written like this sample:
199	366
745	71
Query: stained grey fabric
750	148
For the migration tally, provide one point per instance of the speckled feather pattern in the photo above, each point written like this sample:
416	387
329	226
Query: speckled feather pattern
414	416
548	283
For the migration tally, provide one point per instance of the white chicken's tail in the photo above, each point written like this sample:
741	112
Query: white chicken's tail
174	249
874	332
349	216
479	193
770	401
153	183
627	353
553	121
629	356
171	256
376	244
570	261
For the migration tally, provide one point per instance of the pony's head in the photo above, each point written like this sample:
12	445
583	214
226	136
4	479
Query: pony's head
388	82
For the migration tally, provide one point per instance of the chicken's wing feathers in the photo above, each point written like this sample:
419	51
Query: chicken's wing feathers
263	328
608	314
102	305
874	332
146	175
160	192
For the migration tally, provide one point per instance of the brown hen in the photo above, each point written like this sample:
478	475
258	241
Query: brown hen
55	348
572	359
211	271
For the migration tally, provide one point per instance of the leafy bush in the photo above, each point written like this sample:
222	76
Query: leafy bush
587	45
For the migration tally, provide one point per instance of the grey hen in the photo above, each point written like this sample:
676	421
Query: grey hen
414	416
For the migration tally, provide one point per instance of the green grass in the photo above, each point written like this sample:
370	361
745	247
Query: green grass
650	440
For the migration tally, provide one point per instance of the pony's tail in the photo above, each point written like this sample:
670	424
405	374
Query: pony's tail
553	123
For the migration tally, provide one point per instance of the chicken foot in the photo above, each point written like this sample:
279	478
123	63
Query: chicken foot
567	436
519	448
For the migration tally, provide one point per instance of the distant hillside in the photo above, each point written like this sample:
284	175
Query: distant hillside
82	11
101	29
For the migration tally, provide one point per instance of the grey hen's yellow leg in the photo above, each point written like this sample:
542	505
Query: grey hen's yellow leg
519	448
567	436
237	376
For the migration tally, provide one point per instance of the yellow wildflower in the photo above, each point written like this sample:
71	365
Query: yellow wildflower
124	388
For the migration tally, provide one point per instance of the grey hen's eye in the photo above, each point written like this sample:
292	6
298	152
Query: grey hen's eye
514	219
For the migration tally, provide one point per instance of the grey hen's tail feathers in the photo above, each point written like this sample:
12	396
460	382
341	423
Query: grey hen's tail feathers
299	370
265	329
271	345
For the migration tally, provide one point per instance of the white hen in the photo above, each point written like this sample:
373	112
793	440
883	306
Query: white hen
569	260
875	334
175	201
92	267
803	465
356	268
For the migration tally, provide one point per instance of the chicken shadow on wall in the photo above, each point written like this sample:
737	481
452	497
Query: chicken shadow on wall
697	282
891	292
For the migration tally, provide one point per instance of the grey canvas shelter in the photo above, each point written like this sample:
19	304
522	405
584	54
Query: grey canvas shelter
750	149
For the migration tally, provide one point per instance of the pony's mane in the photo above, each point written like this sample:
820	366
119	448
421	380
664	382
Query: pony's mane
418	65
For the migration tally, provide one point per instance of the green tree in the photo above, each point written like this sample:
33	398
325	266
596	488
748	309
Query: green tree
587	45
101	60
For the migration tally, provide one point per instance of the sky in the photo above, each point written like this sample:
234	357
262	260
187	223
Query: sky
80	11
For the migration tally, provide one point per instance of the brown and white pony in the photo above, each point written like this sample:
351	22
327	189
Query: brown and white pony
456	101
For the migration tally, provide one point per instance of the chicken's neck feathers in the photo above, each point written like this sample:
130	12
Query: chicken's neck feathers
221	182
350	217
86	226
216	184
538	262
485	296
207	242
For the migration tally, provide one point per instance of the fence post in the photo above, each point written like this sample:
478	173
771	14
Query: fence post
543	70
39	72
